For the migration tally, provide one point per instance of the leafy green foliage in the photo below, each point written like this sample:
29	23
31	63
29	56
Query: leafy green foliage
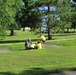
29	15
8	9
2	33
73	19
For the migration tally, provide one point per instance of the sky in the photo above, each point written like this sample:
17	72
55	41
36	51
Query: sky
45	8
52	8
73	1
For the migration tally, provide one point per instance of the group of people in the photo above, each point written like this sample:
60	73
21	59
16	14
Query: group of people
39	45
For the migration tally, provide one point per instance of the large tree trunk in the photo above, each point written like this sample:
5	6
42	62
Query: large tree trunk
40	29
12	32
23	28
67	29
49	34
74	29
48	25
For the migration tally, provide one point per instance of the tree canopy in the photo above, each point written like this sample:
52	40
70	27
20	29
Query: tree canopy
8	9
26	13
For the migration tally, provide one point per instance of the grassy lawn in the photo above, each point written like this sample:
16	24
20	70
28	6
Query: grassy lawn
64	36
64	43
38	62
21	36
48	59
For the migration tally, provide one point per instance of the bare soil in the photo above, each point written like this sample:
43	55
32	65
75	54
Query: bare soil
4	50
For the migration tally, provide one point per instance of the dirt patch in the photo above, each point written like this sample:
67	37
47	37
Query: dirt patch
4	50
53	46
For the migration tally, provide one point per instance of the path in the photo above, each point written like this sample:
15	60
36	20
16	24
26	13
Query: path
64	73
4	50
46	41
62	39
47	46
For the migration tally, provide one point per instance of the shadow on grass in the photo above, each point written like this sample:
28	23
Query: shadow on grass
15	41
41	71
64	34
25	49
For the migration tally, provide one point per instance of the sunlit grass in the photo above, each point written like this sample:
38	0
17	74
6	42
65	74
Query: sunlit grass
38	61
18	61
21	35
63	43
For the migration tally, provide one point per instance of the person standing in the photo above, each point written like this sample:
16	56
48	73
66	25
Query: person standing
43	39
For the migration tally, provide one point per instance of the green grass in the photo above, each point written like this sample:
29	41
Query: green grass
18	61
14	47
63	43
21	47
21	36
38	62
64	36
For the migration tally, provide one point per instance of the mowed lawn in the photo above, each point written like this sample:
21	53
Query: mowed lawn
23	35
38	62
58	56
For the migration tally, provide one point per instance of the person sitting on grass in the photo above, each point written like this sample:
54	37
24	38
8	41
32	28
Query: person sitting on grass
27	43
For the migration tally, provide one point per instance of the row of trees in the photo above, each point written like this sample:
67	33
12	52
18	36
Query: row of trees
22	13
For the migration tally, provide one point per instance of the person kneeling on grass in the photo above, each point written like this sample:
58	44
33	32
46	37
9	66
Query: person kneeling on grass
38	45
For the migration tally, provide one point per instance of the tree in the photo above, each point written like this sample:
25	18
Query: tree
28	15
73	20
73	16
8	12
62	6
3	18
66	17
30	10
64	10
14	7
48	3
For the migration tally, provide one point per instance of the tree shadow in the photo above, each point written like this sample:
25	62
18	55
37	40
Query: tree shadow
40	71
7	73
25	49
